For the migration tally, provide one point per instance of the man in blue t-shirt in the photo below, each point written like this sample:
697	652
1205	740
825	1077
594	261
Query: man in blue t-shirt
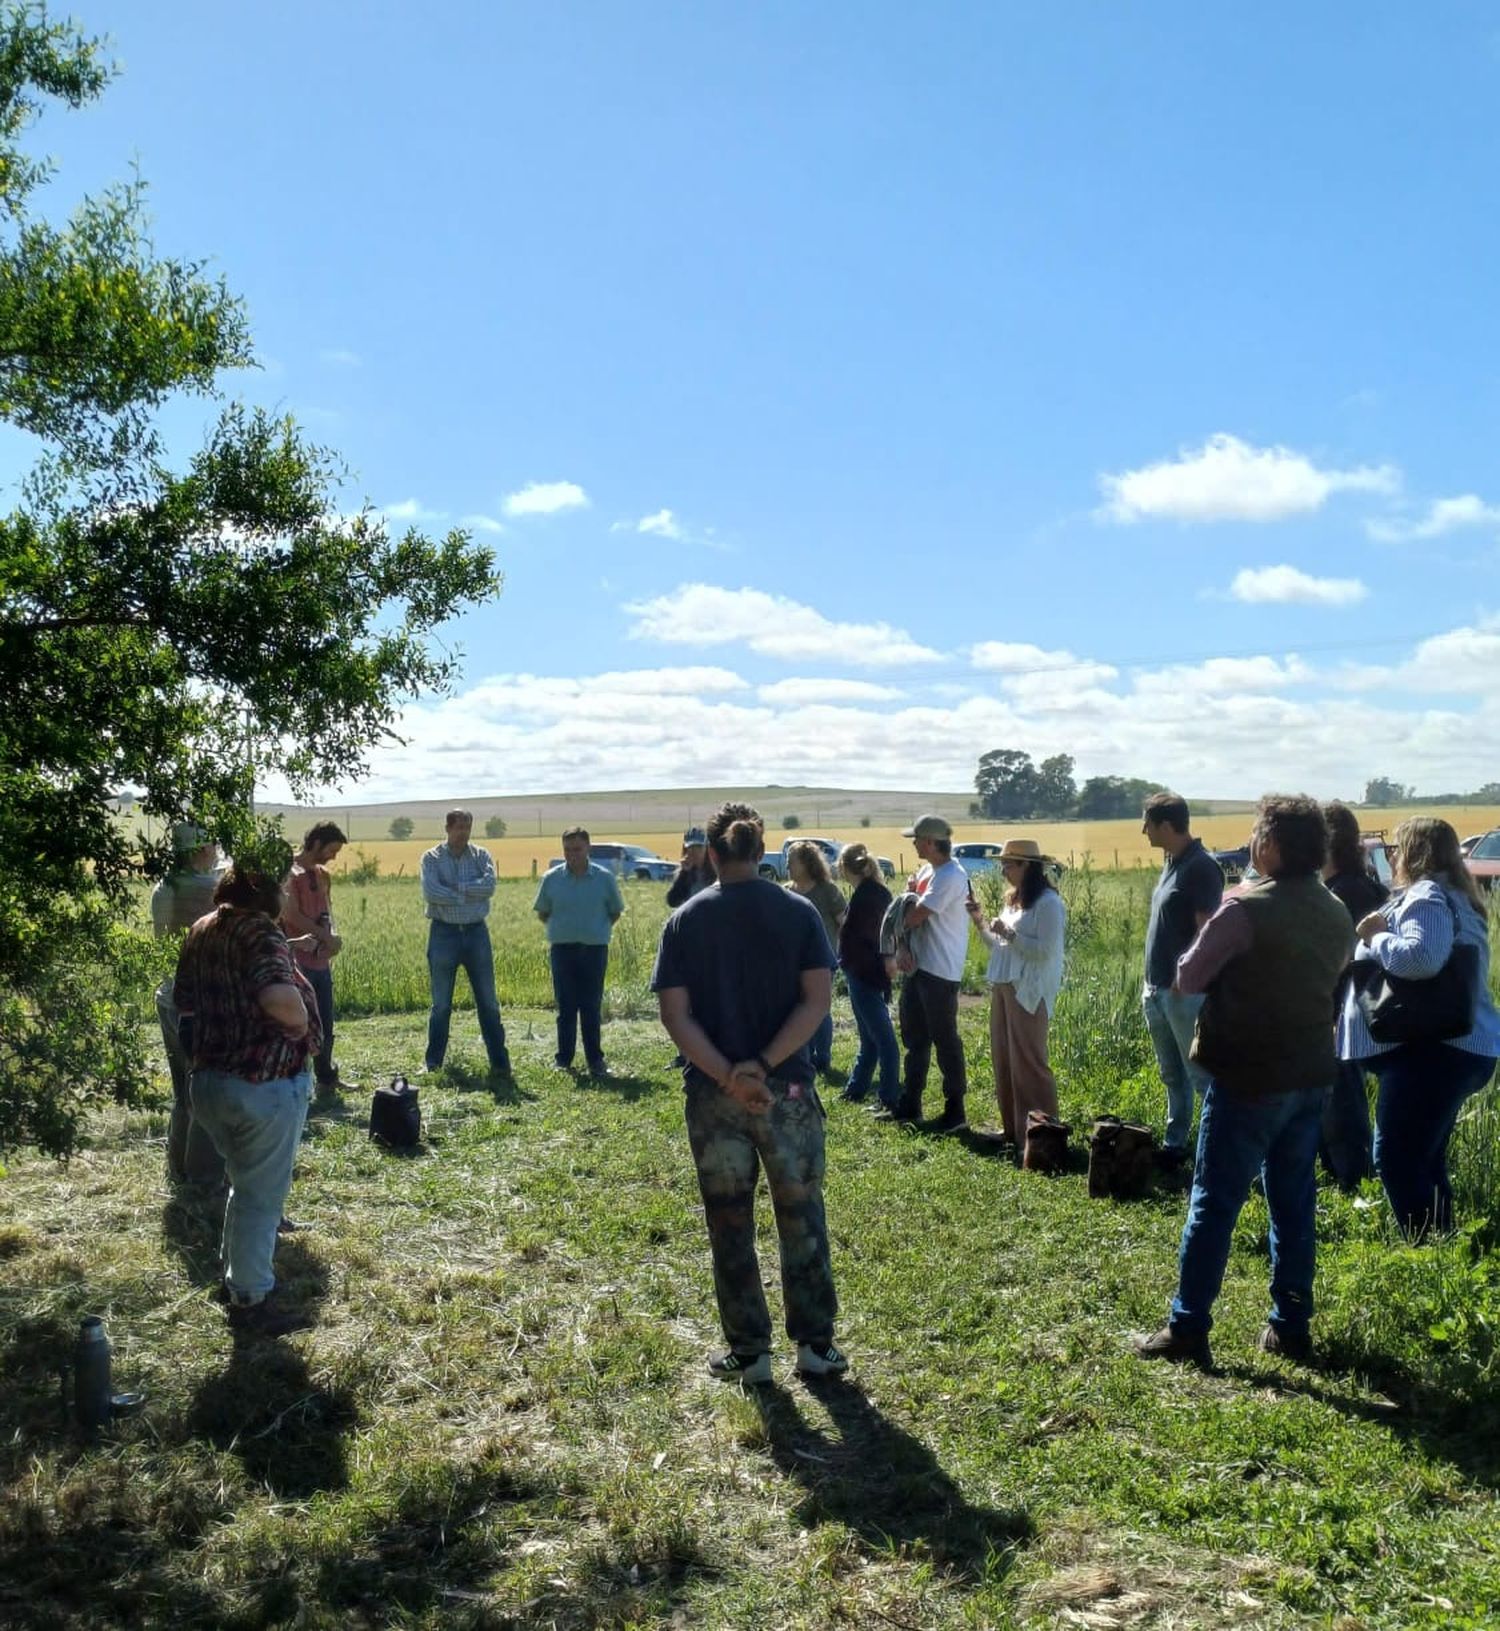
743	978
580	904
1186	895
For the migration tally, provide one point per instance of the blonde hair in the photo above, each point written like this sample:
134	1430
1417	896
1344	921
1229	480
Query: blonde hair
1427	847
814	863
856	863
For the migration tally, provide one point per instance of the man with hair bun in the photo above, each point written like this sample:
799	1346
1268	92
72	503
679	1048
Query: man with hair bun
1269	962
743	977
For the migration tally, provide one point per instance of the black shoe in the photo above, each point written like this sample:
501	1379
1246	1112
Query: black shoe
855	1095
952	1120
900	1117
501	1067
1172	1156
267	1318
290	1226
1181	1347
1287	1342
599	1069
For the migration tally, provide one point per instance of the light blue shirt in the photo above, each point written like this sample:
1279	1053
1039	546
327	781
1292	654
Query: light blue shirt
1415	947
579	909
457	888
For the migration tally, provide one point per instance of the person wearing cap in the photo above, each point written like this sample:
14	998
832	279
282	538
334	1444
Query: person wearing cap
1024	976
928	1010
177	902
1187	894
307	917
693	871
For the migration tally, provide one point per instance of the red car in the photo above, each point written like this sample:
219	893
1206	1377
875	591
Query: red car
1484	860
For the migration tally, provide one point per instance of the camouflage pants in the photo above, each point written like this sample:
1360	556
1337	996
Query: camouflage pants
730	1144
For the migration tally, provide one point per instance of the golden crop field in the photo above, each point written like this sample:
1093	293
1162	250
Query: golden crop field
1106	844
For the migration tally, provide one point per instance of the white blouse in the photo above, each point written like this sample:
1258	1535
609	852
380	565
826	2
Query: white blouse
1033	960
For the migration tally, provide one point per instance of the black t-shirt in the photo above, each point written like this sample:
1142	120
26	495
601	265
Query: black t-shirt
1191	884
1361	892
740	951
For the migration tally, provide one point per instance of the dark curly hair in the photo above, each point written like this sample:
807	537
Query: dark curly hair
736	832
1295	824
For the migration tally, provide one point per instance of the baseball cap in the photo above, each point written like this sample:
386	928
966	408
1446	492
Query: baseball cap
694	835
928	826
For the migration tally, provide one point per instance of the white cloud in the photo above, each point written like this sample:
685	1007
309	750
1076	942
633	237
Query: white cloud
1223	676
480	523
546	498
1287	586
340	358
663	524
411	509
1229	480
1458	662
700	614
1011	657
1443	515
795	693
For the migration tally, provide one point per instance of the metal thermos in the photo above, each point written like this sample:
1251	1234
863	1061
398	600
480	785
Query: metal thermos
93	1397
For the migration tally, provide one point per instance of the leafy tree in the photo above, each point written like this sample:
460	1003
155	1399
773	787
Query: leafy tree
864	821
1055	788
402	828
1007	784
167	631
495	827
790	822
1382	790
1114	798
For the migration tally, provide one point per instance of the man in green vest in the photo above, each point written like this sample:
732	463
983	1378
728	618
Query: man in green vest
1269	963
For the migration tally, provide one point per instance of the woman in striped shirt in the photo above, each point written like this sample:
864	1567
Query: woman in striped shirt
1423	1085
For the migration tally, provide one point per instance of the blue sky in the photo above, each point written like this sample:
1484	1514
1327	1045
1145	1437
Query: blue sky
850	389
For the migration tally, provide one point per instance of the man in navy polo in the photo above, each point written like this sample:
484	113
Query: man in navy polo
579	902
1186	895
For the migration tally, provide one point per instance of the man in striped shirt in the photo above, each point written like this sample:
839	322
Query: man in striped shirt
458	879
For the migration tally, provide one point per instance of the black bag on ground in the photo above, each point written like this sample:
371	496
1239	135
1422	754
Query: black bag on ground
396	1116
1046	1147
1432	1010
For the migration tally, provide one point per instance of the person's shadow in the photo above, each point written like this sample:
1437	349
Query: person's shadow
883	1482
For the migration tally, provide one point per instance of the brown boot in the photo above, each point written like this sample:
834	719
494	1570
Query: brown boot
1046	1143
267	1318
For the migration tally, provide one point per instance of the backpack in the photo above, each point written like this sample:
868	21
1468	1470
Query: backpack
1046	1148
395	1115
1122	1159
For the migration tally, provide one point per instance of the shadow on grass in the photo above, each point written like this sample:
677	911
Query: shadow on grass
884	1483
1459	1427
503	1088
626	1088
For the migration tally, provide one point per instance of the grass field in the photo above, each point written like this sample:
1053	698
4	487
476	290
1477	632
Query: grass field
1106	844
501	1418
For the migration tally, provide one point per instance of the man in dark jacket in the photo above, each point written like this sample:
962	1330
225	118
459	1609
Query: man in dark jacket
693	871
1269	962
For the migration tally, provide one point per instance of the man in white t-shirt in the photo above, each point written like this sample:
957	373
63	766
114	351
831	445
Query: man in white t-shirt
929	994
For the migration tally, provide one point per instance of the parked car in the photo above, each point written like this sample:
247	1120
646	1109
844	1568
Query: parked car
1484	860
978	859
1234	863
773	865
1467	844
628	861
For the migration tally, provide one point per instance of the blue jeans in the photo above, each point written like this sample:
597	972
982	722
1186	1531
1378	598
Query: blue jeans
877	1043
1238	1137
321	980
454	946
256	1127
1171	1019
578	986
1422	1088
820	1048
1345	1141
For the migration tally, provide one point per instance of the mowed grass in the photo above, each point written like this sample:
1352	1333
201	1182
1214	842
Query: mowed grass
502	1419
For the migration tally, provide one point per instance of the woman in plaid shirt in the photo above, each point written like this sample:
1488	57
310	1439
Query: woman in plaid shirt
255	1030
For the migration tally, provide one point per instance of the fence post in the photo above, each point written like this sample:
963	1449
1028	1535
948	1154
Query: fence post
533	866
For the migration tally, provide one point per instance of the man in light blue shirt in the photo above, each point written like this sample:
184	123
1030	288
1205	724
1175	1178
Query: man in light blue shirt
458	879
579	902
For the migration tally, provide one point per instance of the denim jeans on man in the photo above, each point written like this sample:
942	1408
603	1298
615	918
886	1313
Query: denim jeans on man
256	1127
877	1043
321	980
1170	1018
1239	1136
1422	1089
578	986
454	946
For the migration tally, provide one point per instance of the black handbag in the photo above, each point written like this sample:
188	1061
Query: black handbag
1436	1009
396	1116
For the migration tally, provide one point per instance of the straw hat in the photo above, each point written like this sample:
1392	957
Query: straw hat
1023	849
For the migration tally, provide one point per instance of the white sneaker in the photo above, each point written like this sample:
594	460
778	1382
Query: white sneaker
812	1361
750	1370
